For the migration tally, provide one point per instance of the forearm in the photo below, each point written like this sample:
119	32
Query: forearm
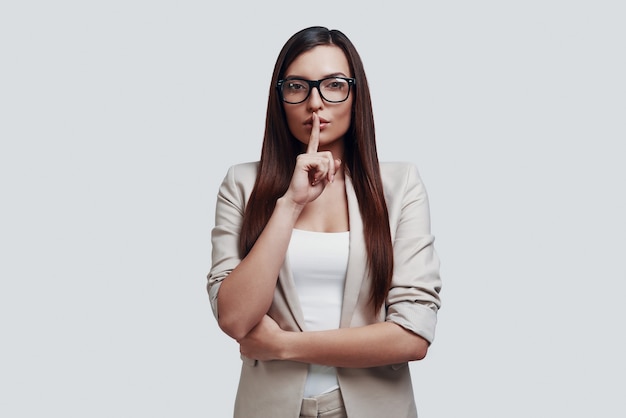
369	346
247	293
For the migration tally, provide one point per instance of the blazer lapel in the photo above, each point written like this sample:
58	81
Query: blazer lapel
288	286
357	259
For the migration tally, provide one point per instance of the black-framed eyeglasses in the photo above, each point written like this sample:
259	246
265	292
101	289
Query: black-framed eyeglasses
331	89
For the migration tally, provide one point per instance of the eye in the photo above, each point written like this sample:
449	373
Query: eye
335	84
295	86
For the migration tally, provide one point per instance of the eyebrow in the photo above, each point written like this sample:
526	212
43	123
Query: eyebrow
299	77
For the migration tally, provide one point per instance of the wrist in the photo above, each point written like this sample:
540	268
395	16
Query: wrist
287	344
286	204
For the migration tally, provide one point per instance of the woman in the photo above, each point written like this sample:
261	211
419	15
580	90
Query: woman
323	268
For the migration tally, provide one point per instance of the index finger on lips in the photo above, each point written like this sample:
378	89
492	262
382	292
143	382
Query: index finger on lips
314	139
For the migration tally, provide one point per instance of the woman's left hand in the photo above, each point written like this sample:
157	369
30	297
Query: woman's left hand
263	342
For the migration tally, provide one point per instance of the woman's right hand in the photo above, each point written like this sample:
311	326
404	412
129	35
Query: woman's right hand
314	170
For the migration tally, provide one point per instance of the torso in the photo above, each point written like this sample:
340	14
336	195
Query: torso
329	212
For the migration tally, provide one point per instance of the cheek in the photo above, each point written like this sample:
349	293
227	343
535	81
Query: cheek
345	116
295	125
289	116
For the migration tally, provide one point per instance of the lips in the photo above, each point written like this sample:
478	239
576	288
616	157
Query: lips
309	123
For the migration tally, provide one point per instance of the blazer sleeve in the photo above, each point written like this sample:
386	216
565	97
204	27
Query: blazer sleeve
225	254
413	299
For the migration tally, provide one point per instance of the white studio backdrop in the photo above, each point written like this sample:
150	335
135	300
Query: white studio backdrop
119	119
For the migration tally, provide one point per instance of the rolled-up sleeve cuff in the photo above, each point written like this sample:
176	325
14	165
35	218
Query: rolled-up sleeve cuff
213	289
416	318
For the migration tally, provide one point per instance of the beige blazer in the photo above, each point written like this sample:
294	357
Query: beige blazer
274	389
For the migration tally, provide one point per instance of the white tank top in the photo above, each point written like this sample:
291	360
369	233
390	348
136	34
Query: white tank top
319	261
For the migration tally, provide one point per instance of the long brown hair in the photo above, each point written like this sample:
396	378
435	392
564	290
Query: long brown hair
280	149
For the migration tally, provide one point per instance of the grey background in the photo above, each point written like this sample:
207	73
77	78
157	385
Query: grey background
118	122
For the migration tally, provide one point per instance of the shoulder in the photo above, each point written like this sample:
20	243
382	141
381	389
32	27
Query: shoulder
399	171
243	170
242	174
401	181
239	181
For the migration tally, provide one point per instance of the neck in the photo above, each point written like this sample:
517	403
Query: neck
336	148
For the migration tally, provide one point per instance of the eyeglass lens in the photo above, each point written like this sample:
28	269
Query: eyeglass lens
331	90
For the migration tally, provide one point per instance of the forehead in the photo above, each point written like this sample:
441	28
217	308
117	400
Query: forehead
319	62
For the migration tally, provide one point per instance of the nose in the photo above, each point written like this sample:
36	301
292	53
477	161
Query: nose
315	101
